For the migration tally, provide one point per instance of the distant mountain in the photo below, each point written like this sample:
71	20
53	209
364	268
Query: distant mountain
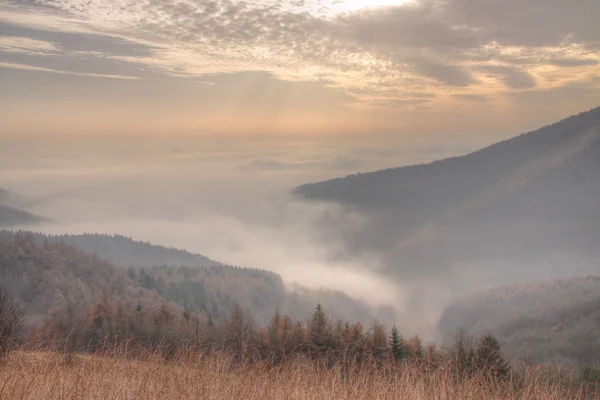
530	200
11	199
126	252
11	213
10	217
548	321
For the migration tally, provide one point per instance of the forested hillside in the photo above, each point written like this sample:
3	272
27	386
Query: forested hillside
550	321
44	271
49	278
124	251
525	208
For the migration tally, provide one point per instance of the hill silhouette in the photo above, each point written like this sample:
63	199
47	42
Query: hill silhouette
499	211
12	213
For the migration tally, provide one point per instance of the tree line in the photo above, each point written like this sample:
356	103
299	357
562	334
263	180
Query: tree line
110	327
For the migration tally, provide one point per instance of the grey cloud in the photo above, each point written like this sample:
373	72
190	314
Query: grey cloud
24	45
574	94
449	74
514	78
77	63
75	42
402	27
530	23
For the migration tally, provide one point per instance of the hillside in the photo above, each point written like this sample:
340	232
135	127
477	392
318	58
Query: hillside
126	252
11	212
10	217
38	268
549	321
50	277
214	290
517	204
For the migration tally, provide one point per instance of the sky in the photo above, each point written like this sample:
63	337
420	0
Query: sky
409	68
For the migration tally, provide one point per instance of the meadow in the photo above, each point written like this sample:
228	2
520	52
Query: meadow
28	375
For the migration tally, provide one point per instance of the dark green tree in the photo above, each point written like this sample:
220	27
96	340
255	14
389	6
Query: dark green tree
397	345
319	328
489	357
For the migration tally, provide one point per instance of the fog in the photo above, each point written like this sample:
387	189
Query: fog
228	199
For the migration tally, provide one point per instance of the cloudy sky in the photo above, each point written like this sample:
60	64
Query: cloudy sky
408	67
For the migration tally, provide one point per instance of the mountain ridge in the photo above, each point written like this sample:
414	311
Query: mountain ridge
526	207
593	114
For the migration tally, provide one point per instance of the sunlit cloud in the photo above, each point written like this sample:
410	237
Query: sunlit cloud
57	71
384	54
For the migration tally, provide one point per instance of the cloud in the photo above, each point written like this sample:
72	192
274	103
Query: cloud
381	57
513	78
572	62
533	23
393	28
451	75
56	71
12	44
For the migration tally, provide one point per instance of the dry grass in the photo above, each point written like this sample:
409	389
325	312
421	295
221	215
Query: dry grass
39	375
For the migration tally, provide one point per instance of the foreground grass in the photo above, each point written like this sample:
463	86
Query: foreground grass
38	375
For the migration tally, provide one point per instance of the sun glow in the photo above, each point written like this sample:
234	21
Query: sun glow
335	7
341	6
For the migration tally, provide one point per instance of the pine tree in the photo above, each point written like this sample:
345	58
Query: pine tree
489	357
319	328
397	345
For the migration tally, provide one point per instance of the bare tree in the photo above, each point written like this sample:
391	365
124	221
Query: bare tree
11	323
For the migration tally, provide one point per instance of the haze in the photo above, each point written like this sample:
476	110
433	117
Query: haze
189	123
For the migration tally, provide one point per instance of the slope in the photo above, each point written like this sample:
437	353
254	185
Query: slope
51	276
547	321
534	195
11	212
10	217
46	272
124	251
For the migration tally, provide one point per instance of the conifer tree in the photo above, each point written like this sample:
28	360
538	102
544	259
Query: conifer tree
397	345
319	328
489	356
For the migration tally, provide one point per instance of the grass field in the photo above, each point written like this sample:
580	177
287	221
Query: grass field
47	375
